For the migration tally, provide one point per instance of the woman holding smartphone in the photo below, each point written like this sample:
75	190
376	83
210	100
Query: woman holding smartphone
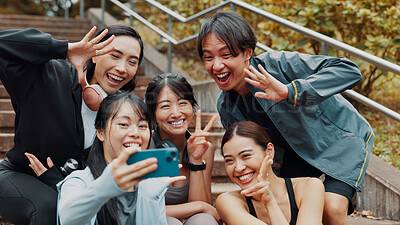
109	190
171	103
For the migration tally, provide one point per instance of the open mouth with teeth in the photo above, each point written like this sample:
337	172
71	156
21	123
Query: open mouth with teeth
128	145
178	123
223	77
114	80
246	178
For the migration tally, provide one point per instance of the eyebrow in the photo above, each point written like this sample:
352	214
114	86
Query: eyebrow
120	52
219	50
241	152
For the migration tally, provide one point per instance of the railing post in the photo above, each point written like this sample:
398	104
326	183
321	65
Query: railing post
66	10
131	17
81	10
103	6
169	44
233	7
324	48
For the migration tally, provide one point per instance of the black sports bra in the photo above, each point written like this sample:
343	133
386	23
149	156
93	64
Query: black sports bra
293	207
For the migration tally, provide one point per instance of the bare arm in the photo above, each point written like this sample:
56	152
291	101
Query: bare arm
311	201
188	209
233	210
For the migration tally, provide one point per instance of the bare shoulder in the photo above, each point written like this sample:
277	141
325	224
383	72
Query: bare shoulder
229	199
304	183
308	189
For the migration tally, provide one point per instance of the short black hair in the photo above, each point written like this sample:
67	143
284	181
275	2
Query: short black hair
231	28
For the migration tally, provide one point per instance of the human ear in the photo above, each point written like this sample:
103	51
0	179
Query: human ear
270	150
248	53
94	59
100	135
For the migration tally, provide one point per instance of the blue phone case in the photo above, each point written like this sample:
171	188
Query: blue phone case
167	161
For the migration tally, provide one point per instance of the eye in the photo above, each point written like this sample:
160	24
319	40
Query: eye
183	103
228	161
207	58
226	55
133	62
143	126
166	106
123	125
246	155
114	56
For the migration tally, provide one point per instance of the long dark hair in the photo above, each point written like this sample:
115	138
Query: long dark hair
178	84
109	108
117	30
247	129
231	28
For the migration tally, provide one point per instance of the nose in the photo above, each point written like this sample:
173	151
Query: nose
240	166
175	111
134	131
217	64
121	66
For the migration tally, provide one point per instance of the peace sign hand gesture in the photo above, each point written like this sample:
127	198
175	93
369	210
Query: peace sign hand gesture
197	144
274	90
261	190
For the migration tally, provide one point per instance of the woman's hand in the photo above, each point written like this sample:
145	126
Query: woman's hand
274	90
80	52
36	165
126	176
261	191
197	144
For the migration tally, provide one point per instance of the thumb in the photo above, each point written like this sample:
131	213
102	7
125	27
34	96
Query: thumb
124	155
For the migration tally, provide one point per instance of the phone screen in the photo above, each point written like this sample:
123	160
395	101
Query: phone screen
167	161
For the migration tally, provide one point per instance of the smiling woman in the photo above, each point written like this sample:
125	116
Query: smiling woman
264	198
109	191
171	103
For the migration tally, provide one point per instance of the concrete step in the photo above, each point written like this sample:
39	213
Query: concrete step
5	104
43	21
3	92
7	142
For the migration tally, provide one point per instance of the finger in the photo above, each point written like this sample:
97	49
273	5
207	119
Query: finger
265	167
260	76
198	121
139	169
124	155
262	95
172	180
49	162
210	123
89	34
96	39
254	83
104	43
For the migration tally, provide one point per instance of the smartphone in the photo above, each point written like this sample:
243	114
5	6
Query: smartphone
167	161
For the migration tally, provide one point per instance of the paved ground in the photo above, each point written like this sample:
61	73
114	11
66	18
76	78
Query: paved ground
358	220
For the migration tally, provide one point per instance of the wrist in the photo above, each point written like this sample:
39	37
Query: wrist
197	166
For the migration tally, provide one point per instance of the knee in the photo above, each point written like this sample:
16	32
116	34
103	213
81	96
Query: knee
200	219
173	221
335	212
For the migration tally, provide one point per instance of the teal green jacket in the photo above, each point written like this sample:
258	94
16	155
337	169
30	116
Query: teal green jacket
319	124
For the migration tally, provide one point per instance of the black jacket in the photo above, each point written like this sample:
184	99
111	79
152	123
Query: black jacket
46	97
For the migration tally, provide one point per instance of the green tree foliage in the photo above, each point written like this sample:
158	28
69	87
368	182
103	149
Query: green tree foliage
370	25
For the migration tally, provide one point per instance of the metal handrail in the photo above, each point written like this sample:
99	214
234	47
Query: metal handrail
323	39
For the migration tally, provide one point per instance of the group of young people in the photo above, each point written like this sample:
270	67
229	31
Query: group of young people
287	128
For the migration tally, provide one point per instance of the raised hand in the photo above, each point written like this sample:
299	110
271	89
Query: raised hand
36	165
80	52
198	143
261	190
126	176
274	90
